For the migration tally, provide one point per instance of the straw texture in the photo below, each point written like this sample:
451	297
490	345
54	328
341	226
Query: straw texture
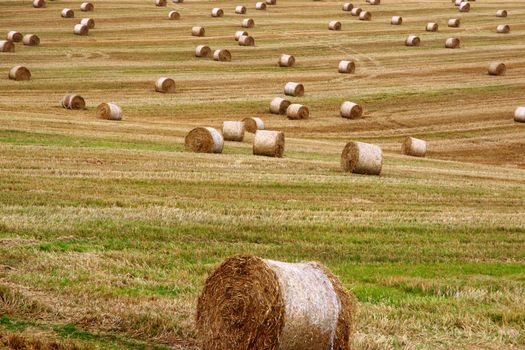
19	73
294	89
233	131
362	158
297	111
109	111
414	147
165	85
204	140
279	105
252	124
351	110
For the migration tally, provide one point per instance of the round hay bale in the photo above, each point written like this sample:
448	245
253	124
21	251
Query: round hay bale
297	111
88	22
457	2
165	85
19	73
217	12
233	131
109	111
365	16
252	124
251	303
246	40
356	11
240	33
279	105
222	55
268	143
204	140
80	29
414	147
240	10
346	66
396	20
87	7
294	89
202	51
519	115
452	43
260	6
497	68
31	40
362	158
177	1
248	23
286	60
173	15
432	27
160	3
501	13
334	25
503	29
14	36
39	3
67	13
464	7
7	46
412	40
453	23
271	2
197	31
350	110
348	6
373	2
73	101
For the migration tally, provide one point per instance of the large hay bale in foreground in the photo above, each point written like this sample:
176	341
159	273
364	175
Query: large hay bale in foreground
222	55
240	33
31	40
67	13
268	143
233	131
19	73
73	101
88	22
279	105
109	111
252	124
286	60
519	115
7	46
39	3
452	43
240	10
217	12
362	158
204	140
202	51
334	25
351	110
453	23
297	111
414	147
87	7
348	6
248	23
14	36
173	15
432	27
165	85
294	89
346	67
396	20
497	68
251	303
246	40
365	16
197	31
503	29
80	29
412	40
501	13
260	6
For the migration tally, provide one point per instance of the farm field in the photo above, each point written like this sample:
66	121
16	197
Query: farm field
108	229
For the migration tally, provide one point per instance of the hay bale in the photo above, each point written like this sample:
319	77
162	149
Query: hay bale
350	110
67	13
240	10
31	40
222	55
396	20
362	158
252	124
268	143
80	29
414	147
173	15
348	6
177	1
373	2
14	36
271	2
412	40
233	131
279	105
160	3
19	73
251	303
246	40
452	43
453	23
260	6
297	111
88	22
240	33
87	7
165	85
501	13
73	101
346	66
334	25
497	68
464	7
197	31
39	3
356	11
294	89
519	115
204	140
365	16
7	46
503	29
286	60
432	27
217	12
109	111
248	23
202	51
